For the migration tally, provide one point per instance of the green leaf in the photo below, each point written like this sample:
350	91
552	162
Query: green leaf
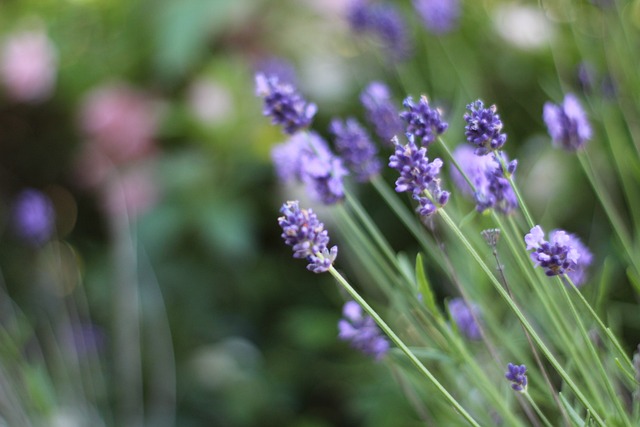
424	287
575	417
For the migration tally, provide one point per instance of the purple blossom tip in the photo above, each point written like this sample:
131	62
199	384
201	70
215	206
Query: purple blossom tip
567	123
380	111
438	16
484	128
356	148
302	230
33	217
361	331
423	122
517	375
465	318
284	104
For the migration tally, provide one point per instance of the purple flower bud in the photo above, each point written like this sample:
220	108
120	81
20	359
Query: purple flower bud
567	123
381	112
463	316
361	331
438	16
424	122
517	375
354	145
33	217
484	128
302	230
284	104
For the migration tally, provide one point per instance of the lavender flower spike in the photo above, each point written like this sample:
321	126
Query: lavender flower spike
517	375
424	122
563	253
354	145
33	217
418	176
484	128
567	123
284	104
438	16
361	331
302	230
380	111
463	316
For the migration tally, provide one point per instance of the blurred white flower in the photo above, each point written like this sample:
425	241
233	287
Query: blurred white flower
209	101
28	66
523	26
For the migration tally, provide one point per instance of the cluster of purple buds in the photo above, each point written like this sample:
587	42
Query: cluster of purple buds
418	176
302	230
384	22
423	122
563	253
354	145
567	123
484	128
306	157
465	318
284	104
438	16
517	374
361	331
380	111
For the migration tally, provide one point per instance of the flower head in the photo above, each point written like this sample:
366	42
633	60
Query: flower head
284	104
28	66
418	176
561	254
517	375
302	230
463	316
383	21
579	275
361	331
33	216
306	157
484	128
424	122
567	123
381	113
438	16
354	145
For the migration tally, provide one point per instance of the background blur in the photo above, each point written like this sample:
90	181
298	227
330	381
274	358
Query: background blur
143	275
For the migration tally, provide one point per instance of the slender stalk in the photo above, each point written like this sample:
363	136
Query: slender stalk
537	409
402	346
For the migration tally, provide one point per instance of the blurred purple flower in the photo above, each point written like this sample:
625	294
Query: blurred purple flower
284	104
385	22
33	216
567	123
356	149
463	316
302	230
361	331
438	16
380	111
517	375
28	66
484	128
423	122
278	67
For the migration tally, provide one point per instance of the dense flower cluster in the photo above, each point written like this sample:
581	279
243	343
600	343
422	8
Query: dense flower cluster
484	128
463	316
354	145
302	230
438	16
306	157
284	104
517	375
563	253
567	123
33	216
384	22
381	113
423	122
418	176
361	331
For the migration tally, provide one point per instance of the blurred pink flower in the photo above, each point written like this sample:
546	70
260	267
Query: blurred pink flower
120	122
132	193
28	66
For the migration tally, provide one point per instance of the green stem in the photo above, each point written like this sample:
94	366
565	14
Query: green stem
537	409
402	346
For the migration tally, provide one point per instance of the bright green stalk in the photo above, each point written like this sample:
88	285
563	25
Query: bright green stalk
402	346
